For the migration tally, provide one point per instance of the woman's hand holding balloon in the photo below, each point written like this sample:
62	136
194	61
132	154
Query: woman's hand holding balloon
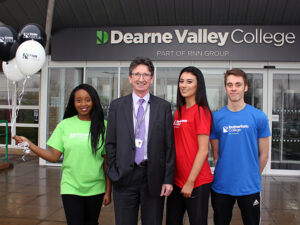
21	139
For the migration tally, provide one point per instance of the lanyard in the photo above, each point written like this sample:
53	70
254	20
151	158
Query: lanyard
138	125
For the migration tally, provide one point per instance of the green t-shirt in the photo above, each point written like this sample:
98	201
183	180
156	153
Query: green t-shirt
82	172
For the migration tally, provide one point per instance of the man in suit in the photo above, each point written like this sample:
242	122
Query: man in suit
140	149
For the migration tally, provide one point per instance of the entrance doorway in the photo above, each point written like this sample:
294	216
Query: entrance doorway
285	150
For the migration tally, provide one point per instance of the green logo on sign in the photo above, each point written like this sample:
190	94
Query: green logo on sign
102	37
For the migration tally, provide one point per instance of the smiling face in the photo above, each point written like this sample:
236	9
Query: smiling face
235	89
188	85
83	104
141	80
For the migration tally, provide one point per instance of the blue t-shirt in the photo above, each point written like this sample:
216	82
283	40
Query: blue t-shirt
237	170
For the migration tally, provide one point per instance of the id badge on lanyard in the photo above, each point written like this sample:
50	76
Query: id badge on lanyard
138	143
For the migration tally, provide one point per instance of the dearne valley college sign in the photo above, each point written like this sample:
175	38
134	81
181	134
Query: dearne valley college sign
251	43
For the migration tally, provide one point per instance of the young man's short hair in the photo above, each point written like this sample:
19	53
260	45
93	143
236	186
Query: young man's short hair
236	72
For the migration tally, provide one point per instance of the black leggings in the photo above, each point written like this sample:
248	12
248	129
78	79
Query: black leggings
196	206
223	205
82	210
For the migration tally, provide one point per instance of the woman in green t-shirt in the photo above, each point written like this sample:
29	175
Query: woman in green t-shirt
80	137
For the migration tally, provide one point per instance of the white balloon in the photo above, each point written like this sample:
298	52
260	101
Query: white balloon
12	71
30	57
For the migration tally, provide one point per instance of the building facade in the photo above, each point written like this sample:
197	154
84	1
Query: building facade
101	57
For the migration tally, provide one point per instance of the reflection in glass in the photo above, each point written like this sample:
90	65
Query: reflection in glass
105	81
285	122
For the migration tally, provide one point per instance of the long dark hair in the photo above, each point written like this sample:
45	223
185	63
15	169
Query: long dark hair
97	128
201	98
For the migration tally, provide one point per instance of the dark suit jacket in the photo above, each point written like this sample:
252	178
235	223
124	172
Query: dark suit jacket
120	143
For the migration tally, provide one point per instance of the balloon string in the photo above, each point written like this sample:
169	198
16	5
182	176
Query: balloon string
8	101
25	145
14	117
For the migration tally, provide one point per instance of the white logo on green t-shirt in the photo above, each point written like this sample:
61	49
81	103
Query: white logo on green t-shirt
78	135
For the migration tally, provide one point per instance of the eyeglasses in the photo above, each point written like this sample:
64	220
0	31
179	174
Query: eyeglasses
145	75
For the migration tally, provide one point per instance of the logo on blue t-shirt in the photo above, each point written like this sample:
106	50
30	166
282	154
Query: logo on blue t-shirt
235	129
225	129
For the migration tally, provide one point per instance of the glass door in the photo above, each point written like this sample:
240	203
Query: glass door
105	81
285	153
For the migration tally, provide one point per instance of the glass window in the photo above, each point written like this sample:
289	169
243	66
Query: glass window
105	81
24	98
166	84
29	132
254	95
4	82
215	91
3	134
5	114
61	82
31	90
125	86
28	116
285	122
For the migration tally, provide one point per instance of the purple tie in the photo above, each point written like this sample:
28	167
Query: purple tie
140	132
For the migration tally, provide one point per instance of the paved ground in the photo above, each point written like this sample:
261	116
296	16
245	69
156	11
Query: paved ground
29	195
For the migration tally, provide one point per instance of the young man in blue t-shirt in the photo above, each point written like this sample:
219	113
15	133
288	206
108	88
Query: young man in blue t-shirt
240	144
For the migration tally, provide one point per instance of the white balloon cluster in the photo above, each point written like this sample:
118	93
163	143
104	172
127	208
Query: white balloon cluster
23	54
12	71
30	58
